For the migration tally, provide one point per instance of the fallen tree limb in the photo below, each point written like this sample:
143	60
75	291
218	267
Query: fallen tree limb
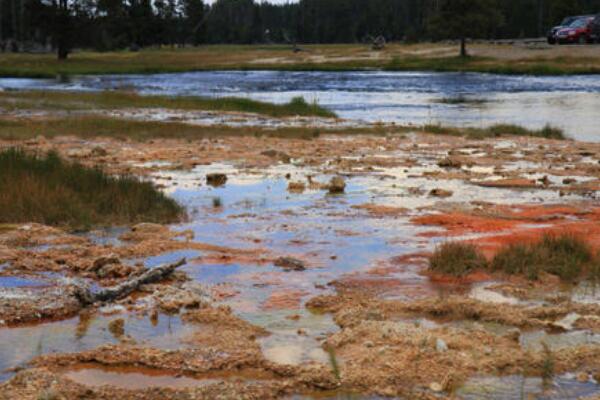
87	297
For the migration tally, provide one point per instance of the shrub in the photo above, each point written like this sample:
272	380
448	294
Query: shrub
457	259
565	256
49	190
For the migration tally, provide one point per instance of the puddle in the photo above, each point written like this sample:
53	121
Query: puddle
587	293
170	257
132	378
135	378
294	341
535	340
18	282
21	344
519	388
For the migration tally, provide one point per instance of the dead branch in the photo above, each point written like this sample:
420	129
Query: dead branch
87	297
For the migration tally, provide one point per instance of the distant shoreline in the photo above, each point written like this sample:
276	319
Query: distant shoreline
487	58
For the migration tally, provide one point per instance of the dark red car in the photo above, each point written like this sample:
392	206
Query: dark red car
578	32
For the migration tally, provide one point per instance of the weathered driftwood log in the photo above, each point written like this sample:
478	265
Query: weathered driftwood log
86	296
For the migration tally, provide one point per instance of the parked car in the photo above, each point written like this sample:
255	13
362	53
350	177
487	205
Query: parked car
565	23
579	31
595	29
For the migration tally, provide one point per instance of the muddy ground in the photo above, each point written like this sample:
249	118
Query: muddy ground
306	274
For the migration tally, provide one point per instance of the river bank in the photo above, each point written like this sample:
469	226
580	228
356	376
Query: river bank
535	59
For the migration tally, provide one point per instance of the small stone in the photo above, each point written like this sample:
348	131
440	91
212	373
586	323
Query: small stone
290	264
117	327
106	260
99	151
296	187
440	346
450	162
369	344
513	334
583	377
216	179
436	387
567	322
545	180
281	156
337	185
440	193
569	181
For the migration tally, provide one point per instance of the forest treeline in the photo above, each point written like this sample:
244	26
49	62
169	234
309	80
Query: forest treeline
115	24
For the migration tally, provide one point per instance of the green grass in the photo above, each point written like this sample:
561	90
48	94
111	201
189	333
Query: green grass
530	66
48	190
457	259
98	126
498	130
335	367
90	126
114	100
565	256
349	57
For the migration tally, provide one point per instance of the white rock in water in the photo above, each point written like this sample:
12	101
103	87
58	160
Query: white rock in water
441	346
436	387
567	322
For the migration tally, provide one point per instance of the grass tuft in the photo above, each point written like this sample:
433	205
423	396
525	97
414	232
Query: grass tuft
565	256
548	367
548	132
48	190
115	100
457	259
335	367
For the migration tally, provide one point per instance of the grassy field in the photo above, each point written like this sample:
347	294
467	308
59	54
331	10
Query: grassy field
48	190
115	100
89	126
504	59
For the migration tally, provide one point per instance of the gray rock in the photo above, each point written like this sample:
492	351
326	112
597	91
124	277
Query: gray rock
290	264
337	185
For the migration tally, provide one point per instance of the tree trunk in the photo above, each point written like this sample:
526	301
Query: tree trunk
463	47
63	30
63	51
1	29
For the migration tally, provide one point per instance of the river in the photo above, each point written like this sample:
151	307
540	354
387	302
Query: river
452	99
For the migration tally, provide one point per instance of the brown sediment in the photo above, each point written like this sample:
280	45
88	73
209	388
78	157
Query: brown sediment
379	347
381	351
223	350
517	224
284	300
21	306
381	211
